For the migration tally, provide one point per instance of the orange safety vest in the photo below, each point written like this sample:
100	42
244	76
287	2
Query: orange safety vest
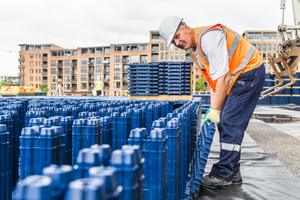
242	56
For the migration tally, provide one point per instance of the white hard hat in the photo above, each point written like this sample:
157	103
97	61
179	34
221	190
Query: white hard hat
168	28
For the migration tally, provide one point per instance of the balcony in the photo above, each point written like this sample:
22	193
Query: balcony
44	65
107	79
91	71
44	58
21	59
106	62
91	63
125	69
106	71
154	58
60	73
74	88
44	73
21	74
143	60
91	80
155	49
21	66
91	88
74	73
125	78
21	82
125	60
106	88
44	81
124	87
60	65
74	64
68	88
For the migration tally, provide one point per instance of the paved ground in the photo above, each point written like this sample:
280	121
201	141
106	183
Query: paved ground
280	138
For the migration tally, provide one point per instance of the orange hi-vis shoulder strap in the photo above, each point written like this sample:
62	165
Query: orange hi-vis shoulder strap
242	56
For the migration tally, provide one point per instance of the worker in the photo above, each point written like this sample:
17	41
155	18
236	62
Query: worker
98	87
235	72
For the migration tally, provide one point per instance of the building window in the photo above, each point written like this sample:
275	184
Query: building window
67	62
36	78
176	48
36	63
31	63
31	55
274	55
67	78
167	56
106	77
31	78
117	59
67	86
117	85
171	56
269	66
274	47
162	47
176	56
125	76
107	50
167	48
31	71
144	58
269	47
53	63
172	47
83	61
254	35
98	69
83	69
264	56
53	79
53	87
259	47
39	78
181	56
134	58
53	71
143	47
83	86
161	56
83	77
67	70
36	71
99	77
117	76
268	36
40	63
117	68
264	47
197	77
98	60
197	69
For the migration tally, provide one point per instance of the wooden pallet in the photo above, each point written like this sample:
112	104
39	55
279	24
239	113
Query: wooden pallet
164	98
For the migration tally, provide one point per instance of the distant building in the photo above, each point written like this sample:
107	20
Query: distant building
13	78
267	43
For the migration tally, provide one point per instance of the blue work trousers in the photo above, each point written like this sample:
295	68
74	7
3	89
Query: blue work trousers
235	114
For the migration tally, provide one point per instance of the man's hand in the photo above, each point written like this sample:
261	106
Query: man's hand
212	115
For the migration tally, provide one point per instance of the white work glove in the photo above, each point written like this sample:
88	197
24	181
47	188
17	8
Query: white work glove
212	115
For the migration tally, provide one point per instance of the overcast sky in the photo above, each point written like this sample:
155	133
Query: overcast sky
82	23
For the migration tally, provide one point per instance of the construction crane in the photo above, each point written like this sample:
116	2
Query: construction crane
286	64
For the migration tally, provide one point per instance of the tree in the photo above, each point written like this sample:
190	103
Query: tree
43	88
6	81
200	84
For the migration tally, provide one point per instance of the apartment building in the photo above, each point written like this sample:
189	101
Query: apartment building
78	69
267	43
12	78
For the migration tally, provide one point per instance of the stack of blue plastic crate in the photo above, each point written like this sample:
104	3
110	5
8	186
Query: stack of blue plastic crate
143	79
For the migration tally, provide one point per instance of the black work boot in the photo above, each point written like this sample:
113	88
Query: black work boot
237	178
213	182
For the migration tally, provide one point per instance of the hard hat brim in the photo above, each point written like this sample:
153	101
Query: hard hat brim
170	39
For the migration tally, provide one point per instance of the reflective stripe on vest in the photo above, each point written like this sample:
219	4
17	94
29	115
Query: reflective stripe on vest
246	58
231	147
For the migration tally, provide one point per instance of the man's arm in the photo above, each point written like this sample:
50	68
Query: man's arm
217	97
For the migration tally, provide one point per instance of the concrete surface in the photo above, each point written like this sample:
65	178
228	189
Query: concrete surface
280	138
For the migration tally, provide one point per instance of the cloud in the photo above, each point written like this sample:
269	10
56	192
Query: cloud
76	23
